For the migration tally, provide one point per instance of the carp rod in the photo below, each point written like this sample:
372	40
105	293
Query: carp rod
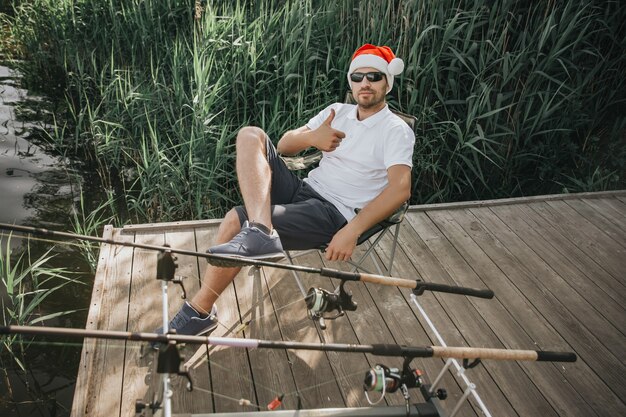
390	350
418	286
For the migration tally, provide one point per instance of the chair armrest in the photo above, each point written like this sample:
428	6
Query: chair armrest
394	218
298	162
398	215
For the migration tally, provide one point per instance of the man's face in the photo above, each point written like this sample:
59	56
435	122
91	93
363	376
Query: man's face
369	94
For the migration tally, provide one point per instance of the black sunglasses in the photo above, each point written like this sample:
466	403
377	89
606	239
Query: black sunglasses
372	77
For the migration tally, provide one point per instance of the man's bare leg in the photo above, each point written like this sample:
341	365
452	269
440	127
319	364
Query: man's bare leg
254	176
216	279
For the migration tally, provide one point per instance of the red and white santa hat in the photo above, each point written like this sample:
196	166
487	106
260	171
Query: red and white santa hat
379	57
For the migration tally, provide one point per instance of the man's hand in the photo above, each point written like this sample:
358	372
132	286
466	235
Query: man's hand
328	139
342	245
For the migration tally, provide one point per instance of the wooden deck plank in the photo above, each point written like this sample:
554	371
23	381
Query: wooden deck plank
144	314
544	329
184	401
363	326
613	226
610	212
511	310
468	313
441	307
408	330
600	221
317	385
555	263
110	368
225	362
94	352
572	254
586	236
576	291
271	371
529	274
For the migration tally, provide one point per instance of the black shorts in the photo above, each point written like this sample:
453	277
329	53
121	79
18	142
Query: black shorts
302	217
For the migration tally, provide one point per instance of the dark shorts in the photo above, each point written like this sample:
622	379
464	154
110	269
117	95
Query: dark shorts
302	217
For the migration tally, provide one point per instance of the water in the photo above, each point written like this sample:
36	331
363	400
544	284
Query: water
39	189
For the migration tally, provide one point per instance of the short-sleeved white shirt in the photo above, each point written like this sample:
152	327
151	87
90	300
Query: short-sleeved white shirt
356	172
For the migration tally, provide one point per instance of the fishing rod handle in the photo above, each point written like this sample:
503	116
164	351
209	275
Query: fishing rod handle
472	292
502	354
418	286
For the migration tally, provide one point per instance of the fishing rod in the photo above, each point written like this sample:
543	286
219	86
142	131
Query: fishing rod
380	379
418	286
390	350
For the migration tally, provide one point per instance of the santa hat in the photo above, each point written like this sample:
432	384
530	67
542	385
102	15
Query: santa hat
379	57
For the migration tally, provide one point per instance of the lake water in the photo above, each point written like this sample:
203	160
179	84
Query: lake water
39	189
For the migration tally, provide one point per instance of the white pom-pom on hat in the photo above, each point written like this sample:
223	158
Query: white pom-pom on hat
396	66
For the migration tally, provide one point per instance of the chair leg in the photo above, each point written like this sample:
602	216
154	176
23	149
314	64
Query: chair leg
370	251
392	256
358	264
296	275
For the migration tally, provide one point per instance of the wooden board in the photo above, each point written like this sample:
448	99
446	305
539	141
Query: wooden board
555	264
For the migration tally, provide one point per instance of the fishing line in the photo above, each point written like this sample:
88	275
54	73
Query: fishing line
30	237
275	310
248	403
22	339
329	381
241	377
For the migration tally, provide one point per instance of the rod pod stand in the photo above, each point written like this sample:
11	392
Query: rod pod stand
168	360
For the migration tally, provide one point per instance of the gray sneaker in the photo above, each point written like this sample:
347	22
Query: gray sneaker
189	323
251	242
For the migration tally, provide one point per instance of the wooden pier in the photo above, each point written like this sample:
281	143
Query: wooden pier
556	264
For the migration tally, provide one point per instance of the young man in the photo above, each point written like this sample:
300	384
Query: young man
366	165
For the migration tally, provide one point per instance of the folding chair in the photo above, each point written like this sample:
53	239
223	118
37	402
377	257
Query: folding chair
375	233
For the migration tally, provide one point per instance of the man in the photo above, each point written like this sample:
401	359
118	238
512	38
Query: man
366	165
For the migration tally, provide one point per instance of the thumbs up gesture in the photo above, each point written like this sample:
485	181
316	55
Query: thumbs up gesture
326	138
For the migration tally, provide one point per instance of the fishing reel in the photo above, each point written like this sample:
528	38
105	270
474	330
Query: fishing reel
320	301
384	379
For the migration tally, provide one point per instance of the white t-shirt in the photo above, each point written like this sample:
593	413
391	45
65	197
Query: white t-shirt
356	172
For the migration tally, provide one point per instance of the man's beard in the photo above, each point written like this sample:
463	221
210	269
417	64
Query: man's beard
373	102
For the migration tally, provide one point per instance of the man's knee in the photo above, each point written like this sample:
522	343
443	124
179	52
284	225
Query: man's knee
249	137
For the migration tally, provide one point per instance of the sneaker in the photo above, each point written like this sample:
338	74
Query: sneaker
189	323
252	242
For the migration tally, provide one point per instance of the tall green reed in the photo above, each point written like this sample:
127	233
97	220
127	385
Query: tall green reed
25	285
512	98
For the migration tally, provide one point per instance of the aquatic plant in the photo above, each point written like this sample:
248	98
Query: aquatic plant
26	283
512	98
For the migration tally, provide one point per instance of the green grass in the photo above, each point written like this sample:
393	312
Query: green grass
512	98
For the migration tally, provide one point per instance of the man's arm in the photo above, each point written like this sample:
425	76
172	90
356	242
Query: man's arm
324	138
397	192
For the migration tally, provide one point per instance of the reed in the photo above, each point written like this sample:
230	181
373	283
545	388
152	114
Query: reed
512	98
25	285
